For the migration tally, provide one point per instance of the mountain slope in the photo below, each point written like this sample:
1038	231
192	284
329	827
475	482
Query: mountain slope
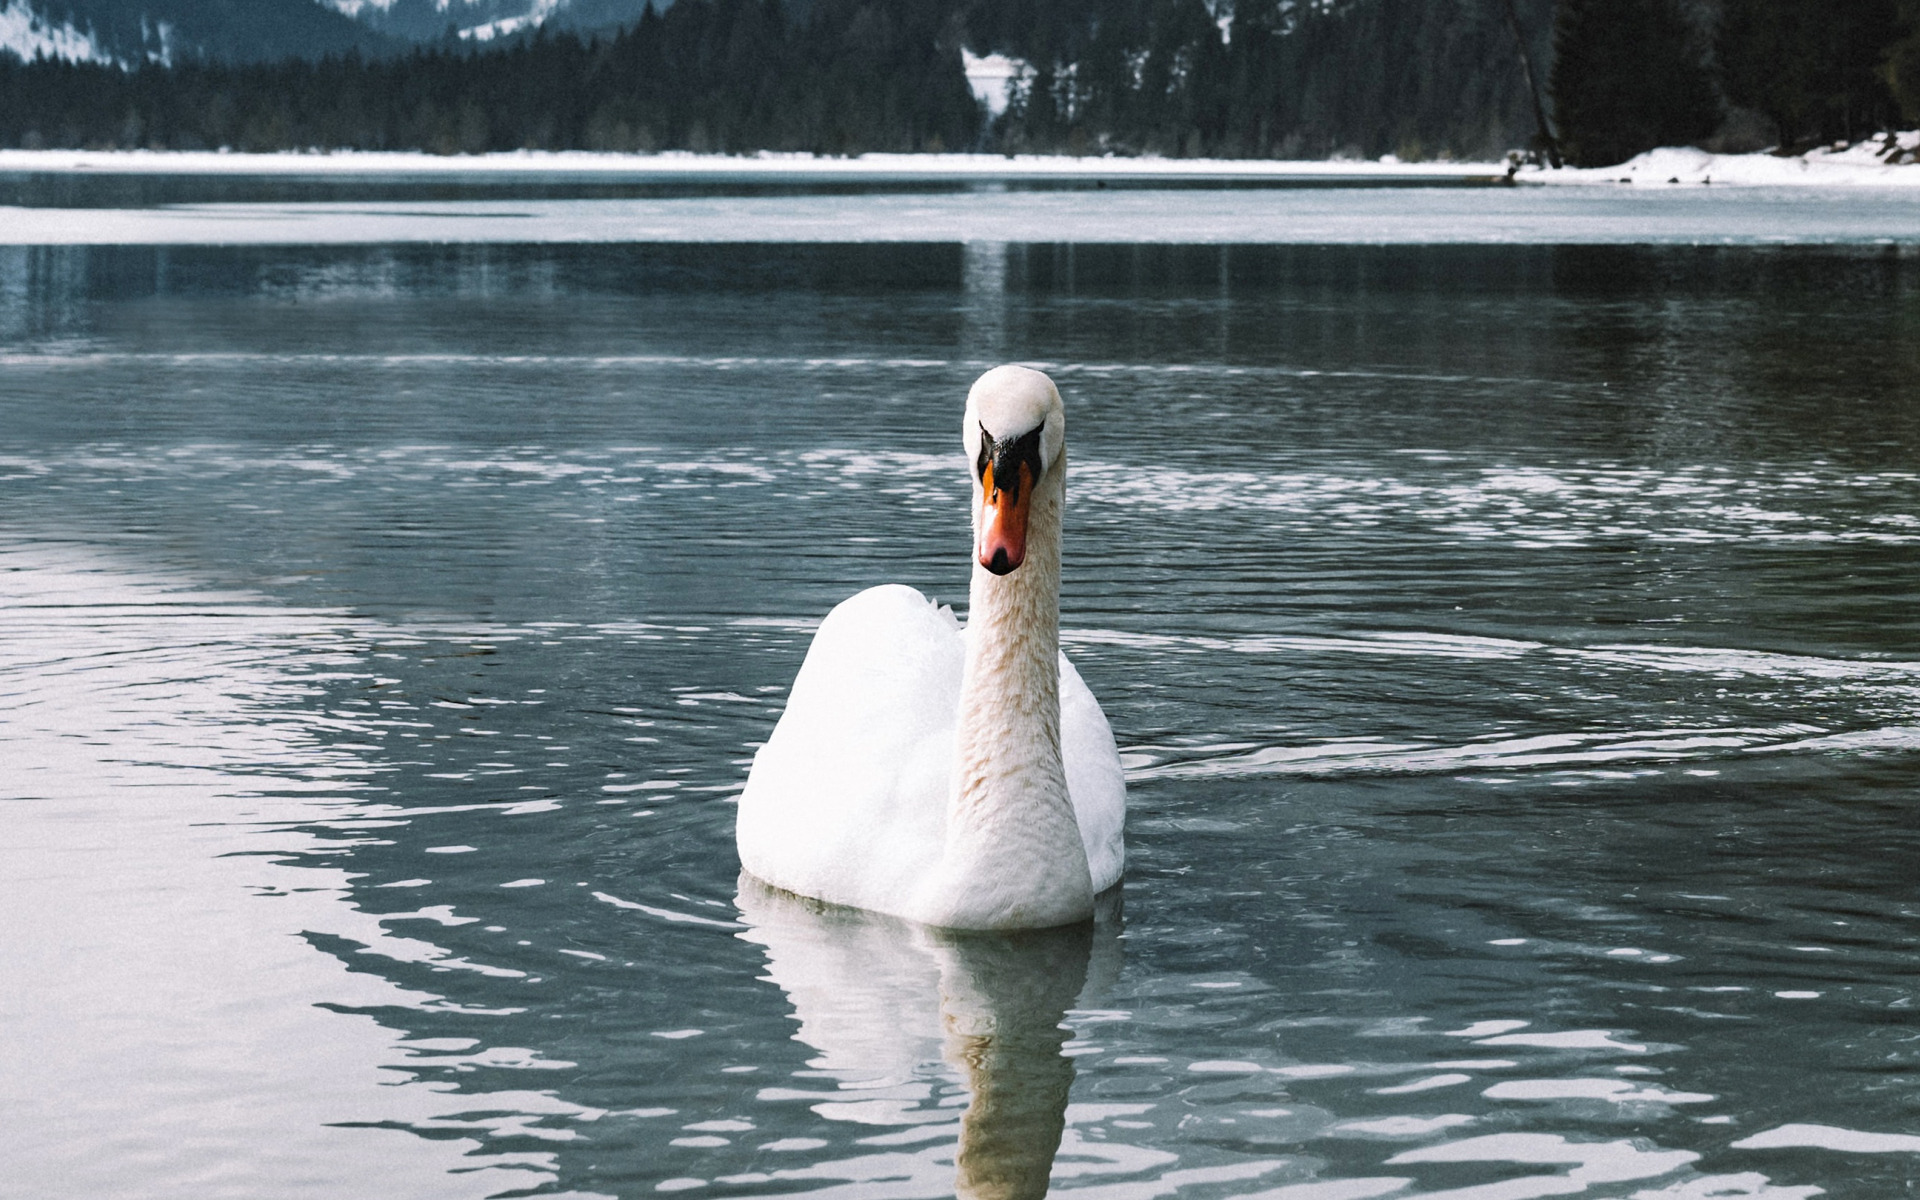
133	32
25	34
489	20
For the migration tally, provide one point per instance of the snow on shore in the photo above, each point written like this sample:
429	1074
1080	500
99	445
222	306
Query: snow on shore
778	168
1886	160
1878	162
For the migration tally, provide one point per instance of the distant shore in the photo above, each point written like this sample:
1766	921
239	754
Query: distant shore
765	167
1875	162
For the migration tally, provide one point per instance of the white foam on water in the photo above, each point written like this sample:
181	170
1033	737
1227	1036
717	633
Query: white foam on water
1566	750
1332	1189
1405	1127
1617	1091
1831	1137
1740	1185
1569	1039
1592	1162
1426	1084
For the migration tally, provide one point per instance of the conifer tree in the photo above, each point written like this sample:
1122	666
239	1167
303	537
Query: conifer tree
1815	70
1266	78
1628	75
1903	63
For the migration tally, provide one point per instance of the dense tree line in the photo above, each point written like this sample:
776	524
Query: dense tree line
1256	78
1280	78
713	75
1428	78
1819	72
1629	75
1267	78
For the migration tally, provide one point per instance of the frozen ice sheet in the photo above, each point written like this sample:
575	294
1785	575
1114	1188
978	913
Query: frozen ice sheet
1660	214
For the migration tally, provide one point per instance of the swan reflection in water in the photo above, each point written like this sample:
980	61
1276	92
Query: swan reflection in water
882	998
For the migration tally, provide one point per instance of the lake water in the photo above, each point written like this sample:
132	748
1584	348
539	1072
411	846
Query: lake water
1514	649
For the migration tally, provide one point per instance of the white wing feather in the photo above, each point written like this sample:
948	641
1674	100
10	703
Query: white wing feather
1094	780
847	801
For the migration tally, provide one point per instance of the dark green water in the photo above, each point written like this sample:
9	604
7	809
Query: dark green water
1515	650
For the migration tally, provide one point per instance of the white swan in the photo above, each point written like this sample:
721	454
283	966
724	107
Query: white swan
966	779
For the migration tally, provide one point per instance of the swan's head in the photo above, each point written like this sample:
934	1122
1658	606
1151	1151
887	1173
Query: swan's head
1015	433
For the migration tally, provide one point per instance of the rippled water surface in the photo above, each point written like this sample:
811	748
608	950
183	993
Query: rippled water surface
1514	650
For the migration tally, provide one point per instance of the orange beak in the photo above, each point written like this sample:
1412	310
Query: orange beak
1003	521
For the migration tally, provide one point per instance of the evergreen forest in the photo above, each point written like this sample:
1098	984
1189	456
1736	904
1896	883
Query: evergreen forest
1595	80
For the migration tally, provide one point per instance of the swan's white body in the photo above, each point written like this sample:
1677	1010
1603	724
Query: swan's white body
961	778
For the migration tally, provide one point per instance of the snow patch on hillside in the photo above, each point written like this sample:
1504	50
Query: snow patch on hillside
159	40
507	26
353	8
28	35
991	77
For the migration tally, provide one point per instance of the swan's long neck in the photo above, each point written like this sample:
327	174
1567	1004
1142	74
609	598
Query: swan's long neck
1011	832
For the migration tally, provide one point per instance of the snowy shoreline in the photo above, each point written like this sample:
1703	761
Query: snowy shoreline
1867	163
1862	164
972	199
677	166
